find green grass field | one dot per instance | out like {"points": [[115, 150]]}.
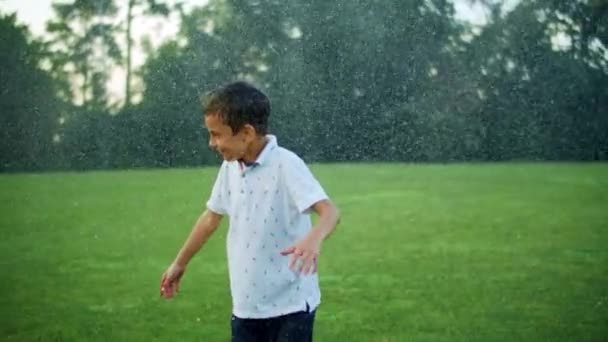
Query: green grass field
{"points": [[464, 252]]}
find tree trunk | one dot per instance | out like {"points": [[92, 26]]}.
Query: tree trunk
{"points": [[589, 28], [129, 45], [85, 75]]}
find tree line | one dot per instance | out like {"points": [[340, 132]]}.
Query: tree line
{"points": [[348, 80]]}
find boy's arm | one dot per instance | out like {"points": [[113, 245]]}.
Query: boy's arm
{"points": [[204, 227], [308, 249], [329, 217]]}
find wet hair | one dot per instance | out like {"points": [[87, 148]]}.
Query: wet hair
{"points": [[238, 104]]}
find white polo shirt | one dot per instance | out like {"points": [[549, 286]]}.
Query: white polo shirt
{"points": [[268, 207]]}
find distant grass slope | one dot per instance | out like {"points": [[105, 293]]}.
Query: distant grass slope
{"points": [[465, 252]]}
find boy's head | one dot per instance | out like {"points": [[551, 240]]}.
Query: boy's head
{"points": [[236, 115]]}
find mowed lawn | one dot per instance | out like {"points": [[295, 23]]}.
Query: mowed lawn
{"points": [[462, 252]]}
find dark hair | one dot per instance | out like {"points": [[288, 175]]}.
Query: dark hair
{"points": [[238, 104]]}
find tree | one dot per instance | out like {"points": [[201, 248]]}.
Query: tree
{"points": [[361, 67], [149, 7], [29, 107], [542, 101], [586, 22], [170, 111], [84, 46], [359, 80]]}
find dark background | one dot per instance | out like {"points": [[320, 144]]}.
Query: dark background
{"points": [[352, 80]]}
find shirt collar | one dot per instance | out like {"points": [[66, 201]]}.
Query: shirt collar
{"points": [[271, 145]]}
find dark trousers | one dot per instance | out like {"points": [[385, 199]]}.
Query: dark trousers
{"points": [[294, 327]]}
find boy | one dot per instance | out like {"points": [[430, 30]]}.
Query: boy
{"points": [[268, 193]]}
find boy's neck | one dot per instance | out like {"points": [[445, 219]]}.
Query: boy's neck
{"points": [[253, 152]]}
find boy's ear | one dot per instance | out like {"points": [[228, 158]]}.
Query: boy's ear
{"points": [[249, 131]]}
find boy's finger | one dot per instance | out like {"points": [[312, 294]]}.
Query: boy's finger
{"points": [[163, 287], [312, 263], [304, 262], [169, 291], [292, 260], [307, 267], [288, 251]]}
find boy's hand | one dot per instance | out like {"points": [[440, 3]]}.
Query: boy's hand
{"points": [[169, 284], [306, 252]]}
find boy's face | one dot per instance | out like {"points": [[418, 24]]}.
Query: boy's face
{"points": [[221, 138]]}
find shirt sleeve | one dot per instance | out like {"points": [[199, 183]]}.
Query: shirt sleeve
{"points": [[303, 188], [217, 199]]}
